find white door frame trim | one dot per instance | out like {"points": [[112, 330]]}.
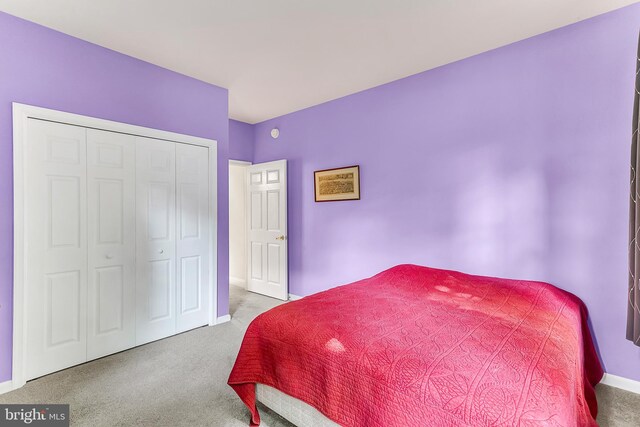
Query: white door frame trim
{"points": [[23, 112]]}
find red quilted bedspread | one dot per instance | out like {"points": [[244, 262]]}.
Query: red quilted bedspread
{"points": [[415, 346]]}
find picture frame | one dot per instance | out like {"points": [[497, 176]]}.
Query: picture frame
{"points": [[337, 184]]}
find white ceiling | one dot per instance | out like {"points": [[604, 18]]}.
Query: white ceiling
{"points": [[279, 56]]}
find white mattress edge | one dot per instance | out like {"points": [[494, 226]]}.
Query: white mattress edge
{"points": [[293, 410]]}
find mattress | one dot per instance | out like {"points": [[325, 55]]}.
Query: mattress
{"points": [[422, 346]]}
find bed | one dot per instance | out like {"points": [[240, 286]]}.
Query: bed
{"points": [[422, 346]]}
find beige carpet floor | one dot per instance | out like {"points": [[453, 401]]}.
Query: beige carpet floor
{"points": [[181, 381]]}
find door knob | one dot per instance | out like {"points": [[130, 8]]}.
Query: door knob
{"points": [[161, 251], [109, 256], [281, 237]]}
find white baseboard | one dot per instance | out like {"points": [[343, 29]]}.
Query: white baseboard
{"points": [[223, 319], [621, 383], [293, 297], [6, 387]]}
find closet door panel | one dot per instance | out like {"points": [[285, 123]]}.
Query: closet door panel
{"points": [[192, 189], [156, 239], [111, 233], [56, 235]]}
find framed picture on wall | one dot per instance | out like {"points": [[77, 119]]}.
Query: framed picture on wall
{"points": [[332, 185]]}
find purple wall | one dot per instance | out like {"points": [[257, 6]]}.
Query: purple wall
{"points": [[241, 136], [511, 163], [42, 67]]}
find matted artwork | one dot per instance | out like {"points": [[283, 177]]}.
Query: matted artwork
{"points": [[337, 184]]}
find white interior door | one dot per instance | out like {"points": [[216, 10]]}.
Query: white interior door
{"points": [[56, 245], [192, 191], [111, 245], [156, 239], [267, 229]]}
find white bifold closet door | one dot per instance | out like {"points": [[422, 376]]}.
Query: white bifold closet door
{"points": [[117, 239], [56, 247], [111, 248], [172, 238], [192, 182], [156, 239]]}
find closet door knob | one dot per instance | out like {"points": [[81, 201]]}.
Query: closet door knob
{"points": [[161, 251], [109, 256]]}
